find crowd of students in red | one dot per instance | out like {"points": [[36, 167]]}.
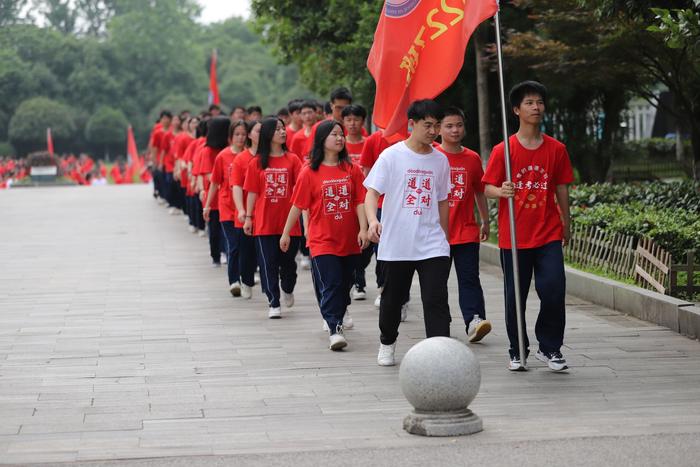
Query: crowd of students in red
{"points": [[310, 185]]}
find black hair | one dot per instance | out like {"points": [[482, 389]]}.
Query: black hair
{"points": [[283, 112], [236, 107], [294, 105], [254, 108], [235, 125], [341, 93], [318, 151], [308, 105], [526, 88], [354, 110], [455, 111], [217, 134], [327, 108], [422, 109], [318, 105], [202, 129], [166, 113], [214, 107], [267, 132], [249, 126]]}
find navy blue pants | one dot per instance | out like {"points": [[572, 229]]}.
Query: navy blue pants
{"points": [[240, 253], [197, 213], [333, 279], [471, 296], [547, 264], [215, 237], [158, 183], [277, 268], [232, 249], [362, 262]]}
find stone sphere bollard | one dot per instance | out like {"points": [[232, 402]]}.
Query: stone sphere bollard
{"points": [[440, 377]]}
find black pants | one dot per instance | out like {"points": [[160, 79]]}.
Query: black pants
{"points": [[547, 263], [363, 261], [333, 278], [432, 274], [158, 183], [198, 216], [215, 236], [277, 268], [471, 296]]}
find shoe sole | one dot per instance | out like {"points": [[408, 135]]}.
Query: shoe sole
{"points": [[338, 345], [482, 329], [543, 359], [386, 364], [275, 317]]}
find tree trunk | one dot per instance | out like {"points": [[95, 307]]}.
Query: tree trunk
{"points": [[482, 95]]}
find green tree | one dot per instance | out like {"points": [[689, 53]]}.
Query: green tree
{"points": [[106, 130], [27, 131], [10, 11]]}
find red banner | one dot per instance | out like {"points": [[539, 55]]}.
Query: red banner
{"points": [[131, 149], [213, 86], [49, 141], [418, 52]]}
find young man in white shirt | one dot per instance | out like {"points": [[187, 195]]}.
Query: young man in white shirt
{"points": [[415, 180]]}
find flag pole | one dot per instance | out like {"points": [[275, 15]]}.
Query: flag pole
{"points": [[511, 202]]}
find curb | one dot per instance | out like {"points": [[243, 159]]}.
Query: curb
{"points": [[677, 315]]}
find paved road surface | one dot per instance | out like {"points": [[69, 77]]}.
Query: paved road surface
{"points": [[119, 341]]}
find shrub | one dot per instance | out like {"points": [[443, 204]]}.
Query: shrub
{"points": [[684, 195]]}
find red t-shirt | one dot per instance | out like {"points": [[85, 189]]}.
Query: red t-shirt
{"points": [[374, 145], [221, 175], [465, 181], [240, 167], [187, 154], [206, 166], [299, 143], [274, 187], [536, 174], [331, 194], [168, 145], [156, 142], [355, 151], [290, 136]]}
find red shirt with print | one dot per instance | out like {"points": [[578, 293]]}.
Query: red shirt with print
{"points": [[355, 151], [240, 167], [274, 187], [375, 144], [465, 180], [221, 175], [331, 194], [536, 174]]}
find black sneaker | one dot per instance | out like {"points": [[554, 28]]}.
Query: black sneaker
{"points": [[554, 360]]}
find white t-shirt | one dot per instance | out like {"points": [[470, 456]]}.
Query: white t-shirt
{"points": [[412, 185]]}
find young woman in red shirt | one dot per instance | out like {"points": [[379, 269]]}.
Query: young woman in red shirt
{"points": [[270, 181], [330, 188]]}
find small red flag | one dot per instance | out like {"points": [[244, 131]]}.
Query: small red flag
{"points": [[49, 141], [213, 86], [131, 149], [418, 51]]}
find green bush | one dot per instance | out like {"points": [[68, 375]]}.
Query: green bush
{"points": [[674, 230], [676, 195], [6, 149]]}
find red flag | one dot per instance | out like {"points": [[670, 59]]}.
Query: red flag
{"points": [[49, 141], [131, 149], [418, 52], [213, 86]]}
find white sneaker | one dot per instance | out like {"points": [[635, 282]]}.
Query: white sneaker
{"points": [[235, 289], [256, 278], [246, 291], [378, 301], [404, 312], [192, 229], [477, 329], [347, 321], [288, 299], [358, 294], [386, 355], [172, 211], [274, 312], [325, 326], [337, 340], [224, 258], [305, 263], [201, 233], [161, 201]]}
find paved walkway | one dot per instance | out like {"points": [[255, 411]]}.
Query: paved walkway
{"points": [[119, 341]]}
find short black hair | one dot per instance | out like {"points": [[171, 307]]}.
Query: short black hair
{"points": [[318, 105], [308, 105], [526, 88], [294, 106], [327, 108], [341, 93], [166, 113], [283, 112], [214, 107], [422, 109], [355, 110], [236, 107], [452, 111], [254, 108]]}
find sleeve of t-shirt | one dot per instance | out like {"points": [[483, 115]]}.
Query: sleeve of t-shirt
{"points": [[252, 182], [157, 137], [367, 156], [301, 196], [495, 169], [358, 187], [378, 178], [238, 173], [564, 173], [443, 186], [297, 169], [217, 173]]}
